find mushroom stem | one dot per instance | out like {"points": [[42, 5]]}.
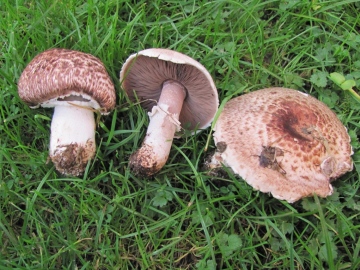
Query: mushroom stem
{"points": [[72, 140], [164, 121]]}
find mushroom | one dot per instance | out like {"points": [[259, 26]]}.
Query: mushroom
{"points": [[282, 141], [177, 91], [76, 84]]}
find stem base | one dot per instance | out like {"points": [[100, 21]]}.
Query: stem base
{"points": [[72, 141]]}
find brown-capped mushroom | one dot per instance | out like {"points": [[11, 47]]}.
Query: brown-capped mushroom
{"points": [[177, 91], [76, 84], [284, 142]]}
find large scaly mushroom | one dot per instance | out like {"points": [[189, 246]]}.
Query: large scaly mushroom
{"points": [[177, 91], [283, 142], [75, 84]]}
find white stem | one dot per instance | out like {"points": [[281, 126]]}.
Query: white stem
{"points": [[164, 120], [72, 141]]}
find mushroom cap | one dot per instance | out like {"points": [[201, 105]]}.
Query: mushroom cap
{"points": [[59, 74], [284, 142], [143, 74]]}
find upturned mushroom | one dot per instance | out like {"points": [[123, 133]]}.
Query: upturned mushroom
{"points": [[177, 91], [76, 84], [283, 142]]}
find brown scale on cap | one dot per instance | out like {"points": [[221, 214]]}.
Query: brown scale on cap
{"points": [[284, 142], [60, 72]]}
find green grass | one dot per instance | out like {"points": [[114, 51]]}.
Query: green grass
{"points": [[182, 218]]}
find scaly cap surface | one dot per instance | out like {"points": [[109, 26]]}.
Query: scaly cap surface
{"points": [[284, 142]]}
